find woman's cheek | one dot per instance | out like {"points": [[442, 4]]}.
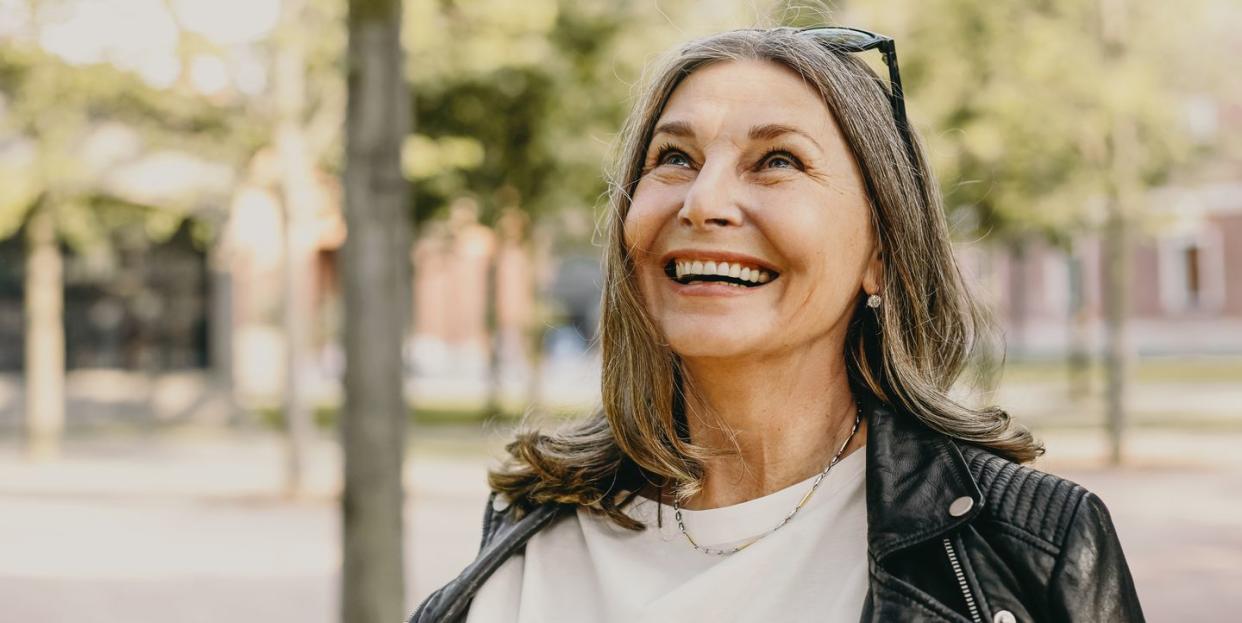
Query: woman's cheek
{"points": [[639, 229], [630, 235]]}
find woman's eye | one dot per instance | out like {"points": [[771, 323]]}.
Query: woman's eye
{"points": [[780, 160], [675, 158]]}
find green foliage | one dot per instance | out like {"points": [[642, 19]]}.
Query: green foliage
{"points": [[53, 109], [362, 11], [42, 93], [511, 96], [522, 101], [540, 87], [1017, 102]]}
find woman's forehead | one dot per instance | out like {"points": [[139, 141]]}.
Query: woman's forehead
{"points": [[733, 96]]}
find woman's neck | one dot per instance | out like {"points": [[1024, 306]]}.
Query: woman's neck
{"points": [[779, 422]]}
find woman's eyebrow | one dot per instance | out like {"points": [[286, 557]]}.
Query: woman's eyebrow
{"points": [[675, 128], [767, 131]]}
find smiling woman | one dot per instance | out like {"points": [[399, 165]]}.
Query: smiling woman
{"points": [[734, 171], [782, 323]]}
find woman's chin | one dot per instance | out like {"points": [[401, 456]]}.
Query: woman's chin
{"points": [[712, 344]]}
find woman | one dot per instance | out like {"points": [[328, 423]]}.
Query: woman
{"points": [[782, 322]]}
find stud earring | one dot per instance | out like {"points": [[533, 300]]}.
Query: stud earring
{"points": [[874, 301]]}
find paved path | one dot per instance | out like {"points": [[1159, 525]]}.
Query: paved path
{"points": [[190, 528]]}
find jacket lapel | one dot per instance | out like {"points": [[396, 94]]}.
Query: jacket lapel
{"points": [[914, 475]]}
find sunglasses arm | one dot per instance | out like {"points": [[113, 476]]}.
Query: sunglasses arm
{"points": [[897, 97]]}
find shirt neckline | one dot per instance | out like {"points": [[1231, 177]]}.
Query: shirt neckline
{"points": [[746, 520]]}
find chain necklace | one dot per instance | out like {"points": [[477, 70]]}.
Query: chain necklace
{"points": [[818, 479]]}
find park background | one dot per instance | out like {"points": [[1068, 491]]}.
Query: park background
{"points": [[174, 286]]}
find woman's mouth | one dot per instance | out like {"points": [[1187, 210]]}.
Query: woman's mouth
{"points": [[735, 274]]}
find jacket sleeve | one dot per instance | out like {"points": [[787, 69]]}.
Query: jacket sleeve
{"points": [[1091, 580], [432, 603]]}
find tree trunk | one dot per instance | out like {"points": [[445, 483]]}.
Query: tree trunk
{"points": [[990, 352], [1122, 197], [541, 261], [375, 277], [492, 407], [297, 198], [1079, 356], [1118, 353], [45, 336], [1018, 312], [220, 324]]}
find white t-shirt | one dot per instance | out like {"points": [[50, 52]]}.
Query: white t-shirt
{"points": [[585, 568]]}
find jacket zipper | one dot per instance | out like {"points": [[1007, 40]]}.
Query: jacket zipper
{"points": [[961, 580]]}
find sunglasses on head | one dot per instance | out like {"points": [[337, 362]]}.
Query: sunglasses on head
{"points": [[850, 40]]}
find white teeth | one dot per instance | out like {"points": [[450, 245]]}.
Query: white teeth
{"points": [[725, 269]]}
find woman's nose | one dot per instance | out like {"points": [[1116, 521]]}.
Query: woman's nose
{"points": [[711, 200]]}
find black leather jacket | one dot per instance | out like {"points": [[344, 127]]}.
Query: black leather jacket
{"points": [[955, 533]]}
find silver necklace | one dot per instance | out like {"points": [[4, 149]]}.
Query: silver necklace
{"points": [[815, 485]]}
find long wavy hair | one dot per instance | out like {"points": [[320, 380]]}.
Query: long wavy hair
{"points": [[909, 354]]}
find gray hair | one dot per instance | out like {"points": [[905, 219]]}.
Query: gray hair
{"points": [[910, 353]]}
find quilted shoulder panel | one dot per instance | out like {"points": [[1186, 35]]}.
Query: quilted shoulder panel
{"points": [[1037, 503]]}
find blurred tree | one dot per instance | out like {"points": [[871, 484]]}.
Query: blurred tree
{"points": [[375, 270], [518, 105], [298, 199], [1123, 190], [303, 110], [1015, 99], [72, 137], [1021, 101]]}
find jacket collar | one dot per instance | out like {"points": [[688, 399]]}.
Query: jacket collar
{"points": [[914, 475]]}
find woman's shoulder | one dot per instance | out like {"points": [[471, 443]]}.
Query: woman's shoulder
{"points": [[1039, 505], [1029, 511]]}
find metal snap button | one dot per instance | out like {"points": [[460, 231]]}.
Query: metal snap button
{"points": [[1004, 616], [961, 506]]}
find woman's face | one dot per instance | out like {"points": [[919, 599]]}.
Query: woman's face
{"points": [[747, 166]]}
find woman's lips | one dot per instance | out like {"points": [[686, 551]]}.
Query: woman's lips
{"points": [[713, 288], [709, 289]]}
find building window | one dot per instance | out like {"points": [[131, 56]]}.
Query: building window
{"points": [[1190, 264], [147, 310], [1192, 272]]}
